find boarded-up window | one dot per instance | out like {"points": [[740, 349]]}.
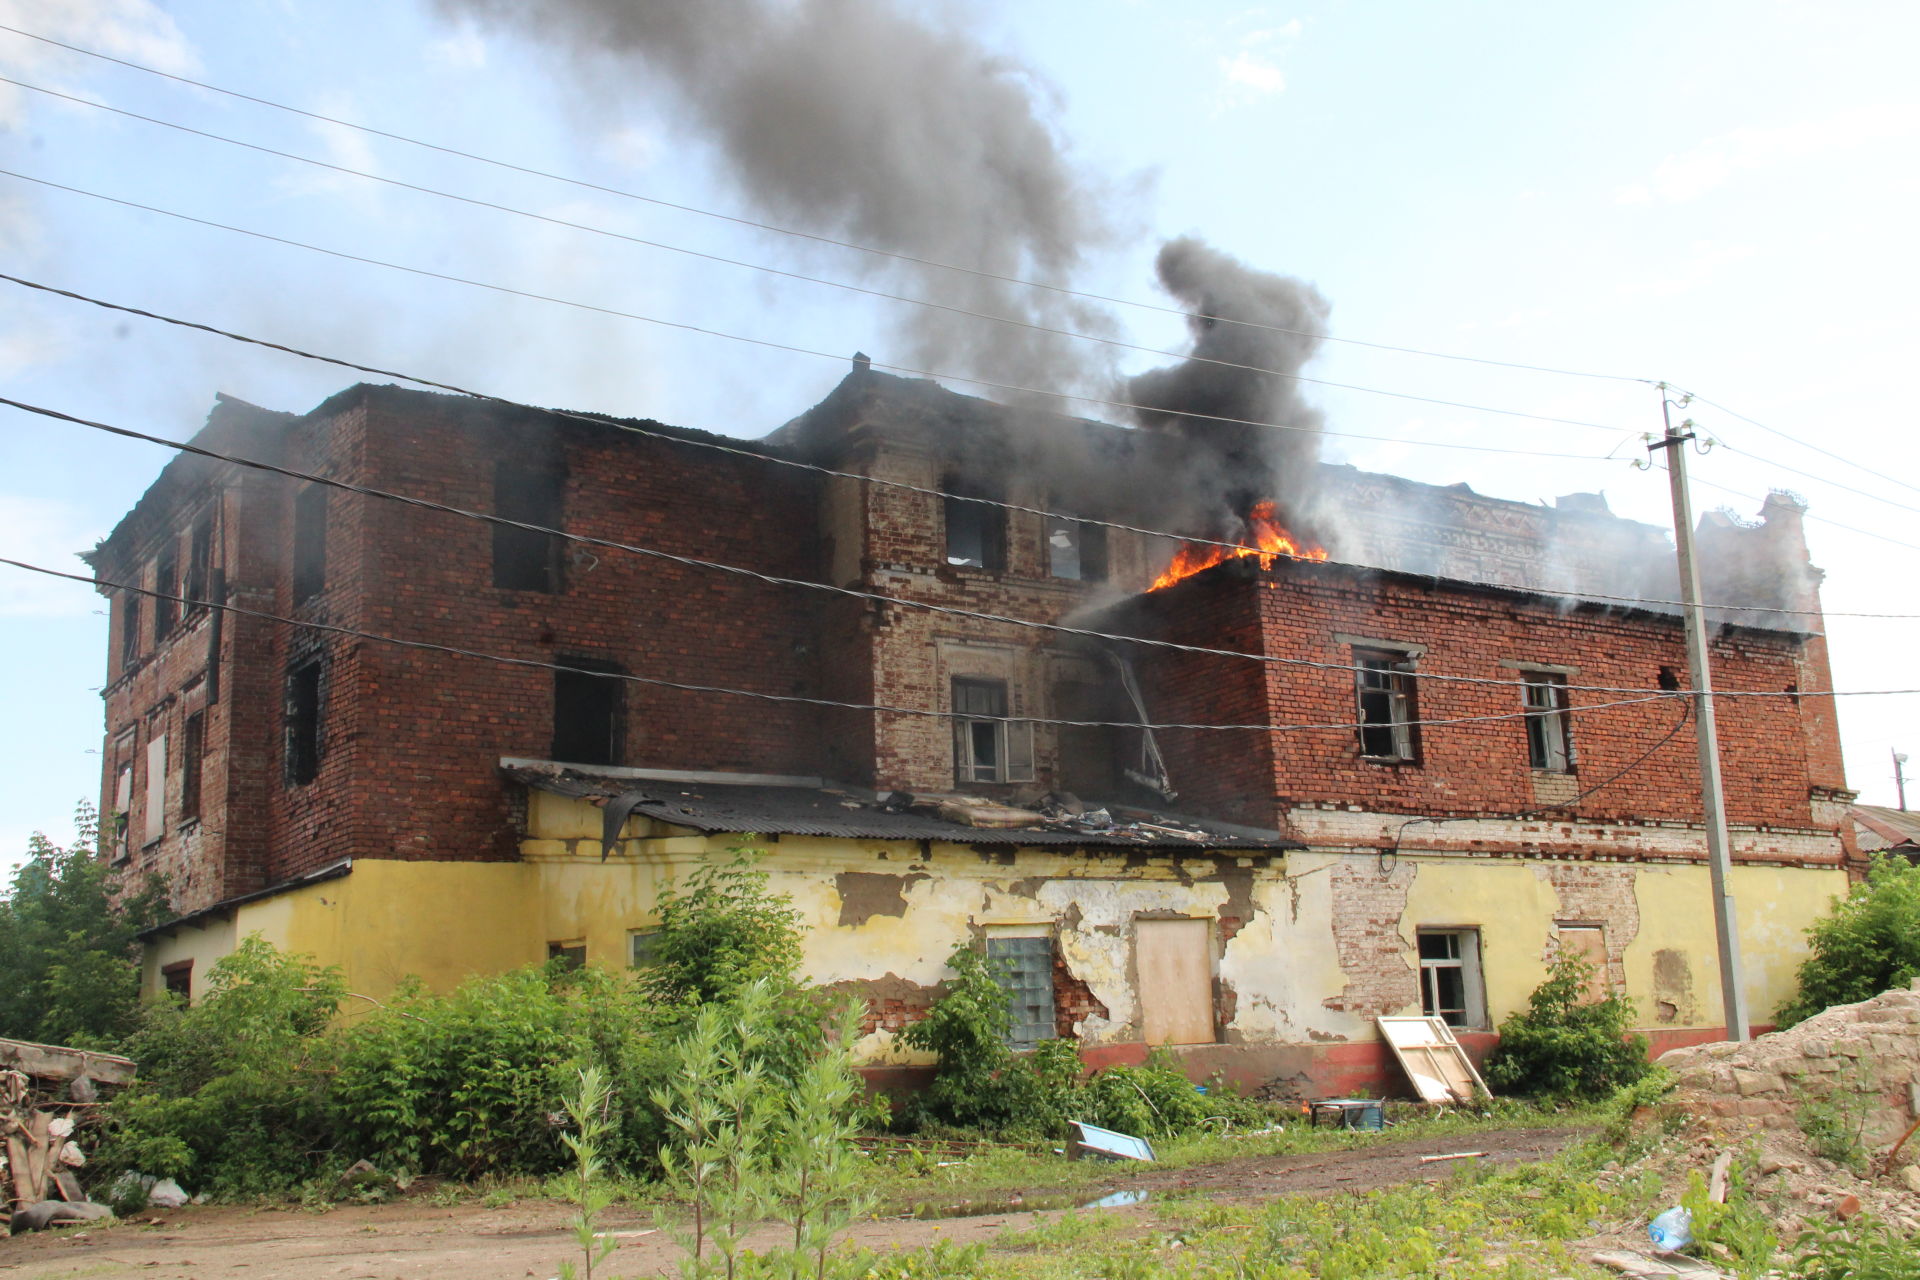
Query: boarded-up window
{"points": [[303, 723], [587, 713], [529, 491], [1589, 942], [309, 543], [193, 747], [1174, 962], [155, 824], [1024, 966]]}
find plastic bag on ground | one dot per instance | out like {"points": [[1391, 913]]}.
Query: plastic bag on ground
{"points": [[166, 1194]]}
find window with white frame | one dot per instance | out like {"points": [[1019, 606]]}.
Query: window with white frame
{"points": [[987, 746], [1450, 983], [1549, 733], [1022, 960], [1383, 683]]}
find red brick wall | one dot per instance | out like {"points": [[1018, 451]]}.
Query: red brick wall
{"points": [[1773, 749]]}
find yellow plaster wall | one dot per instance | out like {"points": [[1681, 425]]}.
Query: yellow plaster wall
{"points": [[202, 945]]}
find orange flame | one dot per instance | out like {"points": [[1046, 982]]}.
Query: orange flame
{"points": [[1270, 541]]}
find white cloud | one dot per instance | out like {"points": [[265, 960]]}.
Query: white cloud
{"points": [[133, 29], [1691, 174], [1252, 71], [49, 532], [348, 148], [1247, 72]]}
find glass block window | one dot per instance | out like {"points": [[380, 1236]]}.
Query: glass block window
{"points": [[1025, 968]]}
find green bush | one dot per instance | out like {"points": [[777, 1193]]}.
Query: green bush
{"points": [[1565, 1047], [1870, 944], [233, 1090]]}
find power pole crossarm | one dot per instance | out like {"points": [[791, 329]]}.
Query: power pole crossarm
{"points": [[1733, 994]]}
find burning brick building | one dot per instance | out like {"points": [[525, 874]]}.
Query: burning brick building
{"points": [[415, 742]]}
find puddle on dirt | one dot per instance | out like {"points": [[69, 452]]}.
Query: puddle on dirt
{"points": [[1031, 1204]]}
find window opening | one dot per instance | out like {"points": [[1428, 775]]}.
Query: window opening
{"points": [[166, 584], [976, 530], [1076, 550], [123, 809], [571, 955], [1450, 983], [199, 564], [1549, 735], [193, 746], [643, 947], [1024, 966], [309, 542], [129, 629], [1384, 682], [988, 749], [526, 559], [177, 979], [587, 713], [303, 723]]}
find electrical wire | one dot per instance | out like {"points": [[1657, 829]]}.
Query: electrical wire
{"points": [[774, 458], [550, 220], [788, 231], [840, 359], [845, 592], [685, 687], [1828, 520], [1804, 444]]}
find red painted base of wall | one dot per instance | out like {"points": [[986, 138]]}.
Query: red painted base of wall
{"points": [[1336, 1070]]}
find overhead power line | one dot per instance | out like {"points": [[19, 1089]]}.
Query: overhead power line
{"points": [[837, 358], [1828, 520], [666, 246], [789, 231], [684, 687], [757, 455], [1876, 472], [844, 592]]}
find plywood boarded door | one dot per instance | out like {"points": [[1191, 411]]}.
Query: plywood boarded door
{"points": [[1174, 962], [1589, 942]]}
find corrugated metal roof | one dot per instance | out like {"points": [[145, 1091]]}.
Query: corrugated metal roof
{"points": [[1878, 827], [717, 807]]}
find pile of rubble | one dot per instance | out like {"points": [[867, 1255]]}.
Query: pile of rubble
{"points": [[48, 1094], [1849, 1074]]}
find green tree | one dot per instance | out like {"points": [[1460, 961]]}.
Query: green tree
{"points": [[69, 943], [722, 932], [1870, 944]]}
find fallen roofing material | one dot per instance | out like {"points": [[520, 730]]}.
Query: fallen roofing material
{"points": [[781, 808]]}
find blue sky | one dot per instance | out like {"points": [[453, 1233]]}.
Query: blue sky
{"points": [[1718, 194]]}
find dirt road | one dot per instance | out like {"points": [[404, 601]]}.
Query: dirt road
{"points": [[412, 1239]]}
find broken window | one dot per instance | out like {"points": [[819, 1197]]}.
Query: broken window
{"points": [[976, 529], [1076, 549], [989, 748], [530, 491], [1383, 679], [1549, 735], [1589, 943], [1450, 985], [166, 585], [193, 747], [1024, 966], [309, 542], [155, 817], [129, 629], [587, 712], [177, 979], [123, 806], [571, 955], [1173, 960], [303, 723], [199, 565]]}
